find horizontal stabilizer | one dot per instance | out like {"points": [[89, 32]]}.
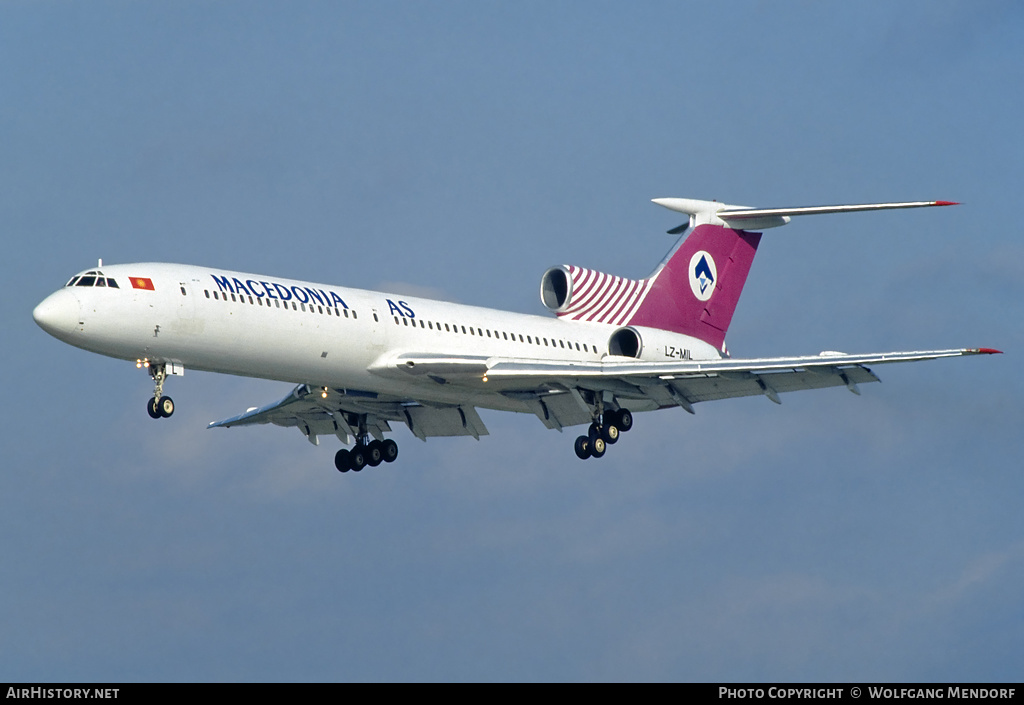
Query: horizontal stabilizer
{"points": [[744, 218]]}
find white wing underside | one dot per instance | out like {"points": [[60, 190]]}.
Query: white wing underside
{"points": [[560, 393]]}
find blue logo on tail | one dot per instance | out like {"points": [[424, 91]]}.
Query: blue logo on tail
{"points": [[703, 274]]}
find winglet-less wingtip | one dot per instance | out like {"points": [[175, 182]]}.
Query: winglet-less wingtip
{"points": [[985, 351]]}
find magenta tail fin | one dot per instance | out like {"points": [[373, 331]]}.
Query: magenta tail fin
{"points": [[696, 290]]}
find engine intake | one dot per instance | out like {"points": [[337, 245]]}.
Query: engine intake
{"points": [[556, 288], [625, 342]]}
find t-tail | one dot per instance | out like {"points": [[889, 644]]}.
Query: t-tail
{"points": [[695, 290]]}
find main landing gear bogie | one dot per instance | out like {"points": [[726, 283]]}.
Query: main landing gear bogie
{"points": [[605, 431], [362, 454]]}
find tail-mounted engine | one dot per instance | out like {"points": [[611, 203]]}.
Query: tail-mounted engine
{"points": [[580, 294], [556, 288]]}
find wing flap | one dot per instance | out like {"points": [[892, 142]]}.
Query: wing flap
{"points": [[714, 387], [316, 411], [454, 421]]}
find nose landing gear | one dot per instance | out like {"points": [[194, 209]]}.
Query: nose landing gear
{"points": [[159, 406]]}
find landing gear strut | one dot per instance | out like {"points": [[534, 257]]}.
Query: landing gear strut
{"points": [[605, 431], [365, 452], [159, 407]]}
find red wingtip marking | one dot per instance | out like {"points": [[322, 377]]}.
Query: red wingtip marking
{"points": [[990, 351], [947, 203]]}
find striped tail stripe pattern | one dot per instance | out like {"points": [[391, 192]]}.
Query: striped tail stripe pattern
{"points": [[604, 298]]}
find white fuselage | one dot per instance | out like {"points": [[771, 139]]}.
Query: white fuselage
{"points": [[301, 332]]}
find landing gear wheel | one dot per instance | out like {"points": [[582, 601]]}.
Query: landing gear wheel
{"points": [[624, 419], [153, 409], [582, 447], [342, 461], [165, 406], [610, 433], [597, 443], [389, 450], [374, 454], [357, 458]]}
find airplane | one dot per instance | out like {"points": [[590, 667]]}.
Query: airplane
{"points": [[364, 360]]}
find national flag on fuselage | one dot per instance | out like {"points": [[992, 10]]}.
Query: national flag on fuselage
{"points": [[142, 283]]}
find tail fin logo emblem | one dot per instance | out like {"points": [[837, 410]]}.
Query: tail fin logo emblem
{"points": [[703, 275]]}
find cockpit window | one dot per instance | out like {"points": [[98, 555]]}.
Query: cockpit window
{"points": [[92, 278]]}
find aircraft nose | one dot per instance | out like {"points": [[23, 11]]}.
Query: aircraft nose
{"points": [[58, 313]]}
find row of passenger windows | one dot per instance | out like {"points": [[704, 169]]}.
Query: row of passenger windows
{"points": [[427, 325], [93, 278], [499, 335], [295, 305]]}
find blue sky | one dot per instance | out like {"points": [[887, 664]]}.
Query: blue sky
{"points": [[459, 149]]}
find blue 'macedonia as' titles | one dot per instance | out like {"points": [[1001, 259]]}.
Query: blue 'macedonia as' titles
{"points": [[273, 290]]}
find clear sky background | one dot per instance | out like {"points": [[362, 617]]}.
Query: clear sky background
{"points": [[458, 149]]}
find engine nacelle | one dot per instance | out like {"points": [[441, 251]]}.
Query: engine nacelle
{"points": [[626, 342], [589, 295], [556, 288]]}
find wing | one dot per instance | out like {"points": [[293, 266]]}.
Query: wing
{"points": [[318, 411], [565, 393], [686, 383], [560, 393]]}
